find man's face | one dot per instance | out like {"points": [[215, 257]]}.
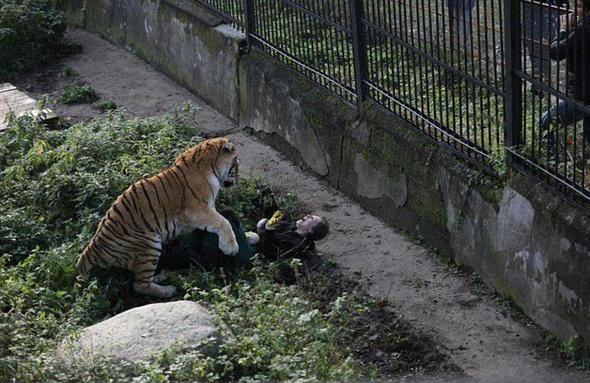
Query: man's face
{"points": [[306, 224]]}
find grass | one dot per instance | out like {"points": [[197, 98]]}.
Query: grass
{"points": [[69, 72], [54, 187], [572, 350], [79, 93], [291, 322], [106, 105]]}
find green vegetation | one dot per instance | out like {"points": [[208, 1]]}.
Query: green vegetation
{"points": [[69, 72], [56, 185], [78, 93], [31, 31], [106, 105], [290, 324], [572, 351]]}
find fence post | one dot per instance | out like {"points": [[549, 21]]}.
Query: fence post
{"points": [[359, 48], [250, 21], [512, 65]]}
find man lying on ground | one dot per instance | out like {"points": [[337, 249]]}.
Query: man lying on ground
{"points": [[274, 239]]}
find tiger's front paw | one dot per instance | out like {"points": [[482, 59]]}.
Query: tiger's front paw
{"points": [[230, 247]]}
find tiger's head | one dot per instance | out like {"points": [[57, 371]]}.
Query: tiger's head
{"points": [[226, 164], [218, 156]]}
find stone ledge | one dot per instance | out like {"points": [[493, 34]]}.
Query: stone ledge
{"points": [[198, 11]]}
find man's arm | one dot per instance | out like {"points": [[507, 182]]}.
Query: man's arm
{"points": [[566, 38], [267, 233], [267, 245]]}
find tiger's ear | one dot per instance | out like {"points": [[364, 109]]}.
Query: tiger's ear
{"points": [[228, 148]]}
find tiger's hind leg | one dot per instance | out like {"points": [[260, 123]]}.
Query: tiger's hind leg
{"points": [[144, 270], [162, 276]]}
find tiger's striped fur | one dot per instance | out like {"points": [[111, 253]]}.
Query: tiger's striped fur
{"points": [[158, 209]]}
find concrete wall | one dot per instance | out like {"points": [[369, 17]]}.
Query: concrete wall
{"points": [[525, 241]]}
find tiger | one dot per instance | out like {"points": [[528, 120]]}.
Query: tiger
{"points": [[157, 209]]}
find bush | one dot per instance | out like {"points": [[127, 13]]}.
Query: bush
{"points": [[106, 105], [280, 332], [79, 94], [57, 184], [30, 32]]}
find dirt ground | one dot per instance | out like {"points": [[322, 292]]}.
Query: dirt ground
{"points": [[483, 335]]}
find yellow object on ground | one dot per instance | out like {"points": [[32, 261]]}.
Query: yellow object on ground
{"points": [[276, 218]]}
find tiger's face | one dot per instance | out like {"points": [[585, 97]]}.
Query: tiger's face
{"points": [[227, 165]]}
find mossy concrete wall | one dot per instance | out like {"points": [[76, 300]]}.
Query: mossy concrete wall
{"points": [[524, 240]]}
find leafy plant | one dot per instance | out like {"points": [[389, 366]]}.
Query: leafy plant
{"points": [[572, 350], [498, 161], [30, 33], [69, 72], [78, 93], [55, 184], [252, 200], [106, 105]]}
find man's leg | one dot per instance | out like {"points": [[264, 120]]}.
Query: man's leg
{"points": [[546, 119], [466, 21], [567, 116], [202, 248], [587, 129], [246, 251], [560, 112]]}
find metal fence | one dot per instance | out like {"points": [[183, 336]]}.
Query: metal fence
{"points": [[478, 76], [439, 64]]}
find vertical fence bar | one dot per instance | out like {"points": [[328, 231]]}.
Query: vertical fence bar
{"points": [[359, 48], [513, 82], [250, 21]]}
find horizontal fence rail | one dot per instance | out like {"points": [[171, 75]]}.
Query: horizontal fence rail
{"points": [[495, 80]]}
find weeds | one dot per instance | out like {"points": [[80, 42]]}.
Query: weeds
{"points": [[56, 184], [78, 93], [106, 105], [70, 72], [31, 33], [572, 350]]}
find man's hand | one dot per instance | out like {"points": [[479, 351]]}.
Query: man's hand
{"points": [[567, 22], [545, 43]]}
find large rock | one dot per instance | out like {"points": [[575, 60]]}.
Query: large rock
{"points": [[144, 332]]}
